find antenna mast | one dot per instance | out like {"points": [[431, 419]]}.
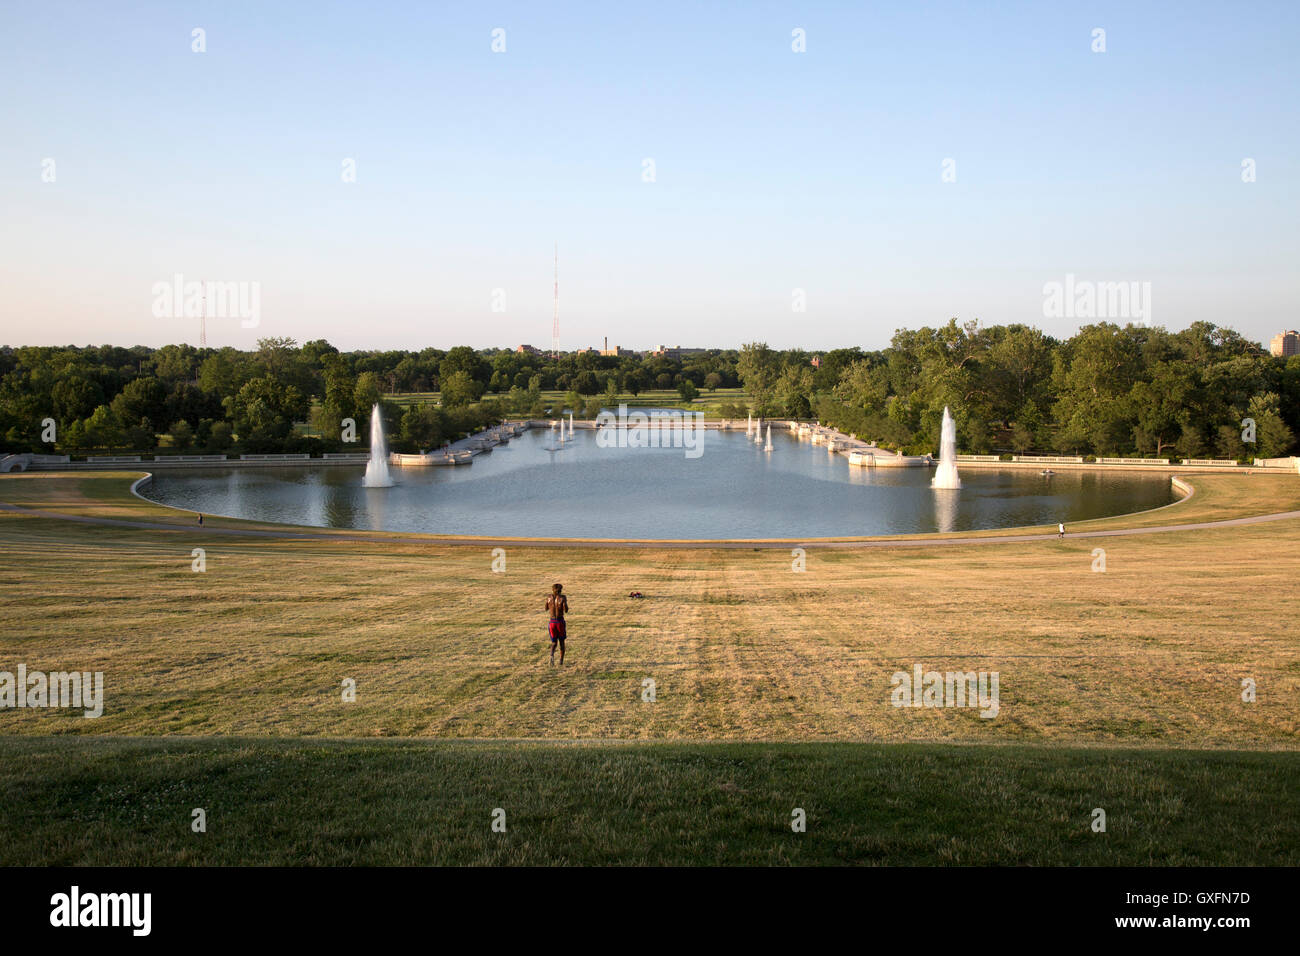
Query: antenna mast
{"points": [[555, 312]]}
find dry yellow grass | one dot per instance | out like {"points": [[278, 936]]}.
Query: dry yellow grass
{"points": [[739, 645]]}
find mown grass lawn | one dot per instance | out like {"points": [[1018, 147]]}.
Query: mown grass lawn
{"points": [[1119, 690], [130, 802], [740, 647]]}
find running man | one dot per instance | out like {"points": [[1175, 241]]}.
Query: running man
{"points": [[1060, 529], [556, 605]]}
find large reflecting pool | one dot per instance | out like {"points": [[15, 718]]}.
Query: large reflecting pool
{"points": [[733, 489]]}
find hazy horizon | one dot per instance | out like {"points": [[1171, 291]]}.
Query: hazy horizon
{"points": [[252, 346], [780, 177]]}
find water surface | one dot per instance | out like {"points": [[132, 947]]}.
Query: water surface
{"points": [[733, 490]]}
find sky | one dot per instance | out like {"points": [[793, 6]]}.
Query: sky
{"points": [[914, 163]]}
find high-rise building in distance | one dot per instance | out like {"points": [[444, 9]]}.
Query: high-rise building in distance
{"points": [[1285, 343]]}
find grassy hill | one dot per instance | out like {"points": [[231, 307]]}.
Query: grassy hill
{"points": [[1120, 690]]}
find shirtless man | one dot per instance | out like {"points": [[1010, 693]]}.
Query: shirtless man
{"points": [[556, 605]]}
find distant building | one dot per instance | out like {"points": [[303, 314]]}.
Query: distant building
{"points": [[816, 361], [616, 352], [677, 353], [528, 350], [1285, 343]]}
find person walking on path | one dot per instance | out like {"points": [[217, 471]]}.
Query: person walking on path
{"points": [[1060, 529]]}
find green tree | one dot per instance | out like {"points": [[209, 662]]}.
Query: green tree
{"points": [[182, 436], [423, 427], [220, 437], [1159, 404], [275, 355], [1273, 438], [366, 394], [263, 412], [464, 359], [76, 396], [458, 390], [104, 429], [759, 369], [142, 398]]}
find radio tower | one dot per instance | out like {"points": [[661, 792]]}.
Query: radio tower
{"points": [[555, 312]]}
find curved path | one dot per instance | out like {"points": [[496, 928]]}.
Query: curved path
{"points": [[644, 544]]}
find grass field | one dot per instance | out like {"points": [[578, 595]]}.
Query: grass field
{"points": [[115, 802], [1137, 666]]}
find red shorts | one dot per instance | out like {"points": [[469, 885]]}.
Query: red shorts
{"points": [[557, 630]]}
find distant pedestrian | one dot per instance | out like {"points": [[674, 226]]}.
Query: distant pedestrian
{"points": [[1060, 529], [200, 520], [556, 605]]}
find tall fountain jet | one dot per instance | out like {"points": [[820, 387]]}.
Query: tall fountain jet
{"points": [[377, 469], [768, 446], [946, 474]]}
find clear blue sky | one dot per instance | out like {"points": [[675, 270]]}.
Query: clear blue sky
{"points": [[775, 170]]}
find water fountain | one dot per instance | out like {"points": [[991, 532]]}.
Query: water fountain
{"points": [[749, 425], [377, 469], [768, 446], [758, 432], [946, 474]]}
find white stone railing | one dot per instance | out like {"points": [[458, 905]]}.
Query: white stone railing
{"points": [[1288, 463]]}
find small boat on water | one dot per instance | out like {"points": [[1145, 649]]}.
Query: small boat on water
{"points": [[1047, 472]]}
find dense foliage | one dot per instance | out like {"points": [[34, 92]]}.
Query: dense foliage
{"points": [[1109, 390]]}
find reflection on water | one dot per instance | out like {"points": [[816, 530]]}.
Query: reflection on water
{"points": [[945, 508], [733, 490]]}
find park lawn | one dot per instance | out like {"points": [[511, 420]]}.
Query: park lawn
{"points": [[103, 494], [106, 801], [740, 647]]}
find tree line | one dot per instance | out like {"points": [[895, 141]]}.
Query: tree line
{"points": [[1108, 390], [283, 397]]}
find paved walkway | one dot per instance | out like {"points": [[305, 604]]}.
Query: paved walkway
{"points": [[642, 544]]}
